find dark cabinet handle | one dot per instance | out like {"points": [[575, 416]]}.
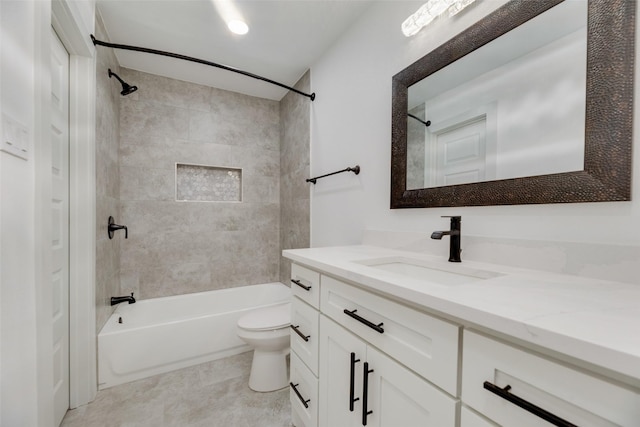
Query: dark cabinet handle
{"points": [[300, 334], [352, 382], [527, 406], [295, 388], [365, 393], [299, 283], [360, 319]]}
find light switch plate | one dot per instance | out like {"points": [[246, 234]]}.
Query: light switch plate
{"points": [[15, 137]]}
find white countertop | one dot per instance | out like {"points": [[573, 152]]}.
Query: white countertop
{"points": [[595, 321]]}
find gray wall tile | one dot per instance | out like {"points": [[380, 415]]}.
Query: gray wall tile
{"points": [[107, 180], [181, 247], [178, 247], [295, 112]]}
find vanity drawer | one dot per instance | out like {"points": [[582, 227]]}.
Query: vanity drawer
{"points": [[558, 389], [304, 397], [304, 333], [468, 418], [424, 344], [305, 284]]}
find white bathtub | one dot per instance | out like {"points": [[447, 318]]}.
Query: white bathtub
{"points": [[163, 334]]}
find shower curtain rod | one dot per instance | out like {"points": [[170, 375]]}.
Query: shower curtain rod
{"points": [[427, 123], [311, 96]]}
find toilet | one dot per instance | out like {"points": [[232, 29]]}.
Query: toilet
{"points": [[267, 331]]}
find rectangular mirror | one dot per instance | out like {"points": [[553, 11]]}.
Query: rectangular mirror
{"points": [[533, 104]]}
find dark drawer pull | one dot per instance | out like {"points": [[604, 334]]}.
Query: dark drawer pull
{"points": [[299, 283], [527, 406], [352, 382], [295, 388], [365, 393], [300, 334], [372, 325]]}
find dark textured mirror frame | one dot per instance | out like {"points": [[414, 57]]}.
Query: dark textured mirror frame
{"points": [[608, 122]]}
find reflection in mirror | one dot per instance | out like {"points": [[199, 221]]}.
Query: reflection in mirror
{"points": [[553, 123], [513, 108]]}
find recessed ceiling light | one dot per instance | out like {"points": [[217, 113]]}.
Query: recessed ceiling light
{"points": [[238, 27]]}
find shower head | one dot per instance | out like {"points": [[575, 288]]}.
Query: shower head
{"points": [[126, 87]]}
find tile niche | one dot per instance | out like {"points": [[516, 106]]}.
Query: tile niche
{"points": [[200, 183]]}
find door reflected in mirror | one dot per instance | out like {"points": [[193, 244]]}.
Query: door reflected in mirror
{"points": [[513, 108], [535, 119]]}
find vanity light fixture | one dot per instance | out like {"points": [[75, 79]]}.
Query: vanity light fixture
{"points": [[238, 27], [431, 10]]}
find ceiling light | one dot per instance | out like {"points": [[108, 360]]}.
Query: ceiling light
{"points": [[431, 10], [238, 27]]}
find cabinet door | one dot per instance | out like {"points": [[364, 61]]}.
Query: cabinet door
{"points": [[470, 419], [336, 376], [398, 397], [423, 343]]}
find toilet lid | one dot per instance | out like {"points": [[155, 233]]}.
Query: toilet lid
{"points": [[274, 317]]}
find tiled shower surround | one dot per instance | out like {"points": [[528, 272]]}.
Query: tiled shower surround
{"points": [[295, 122], [416, 133], [183, 247], [107, 180]]}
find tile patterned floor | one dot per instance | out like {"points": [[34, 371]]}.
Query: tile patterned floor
{"points": [[213, 394]]}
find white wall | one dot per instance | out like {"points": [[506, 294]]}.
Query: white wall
{"points": [[17, 284], [351, 124], [26, 365]]}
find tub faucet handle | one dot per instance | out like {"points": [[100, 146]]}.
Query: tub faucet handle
{"points": [[112, 227]]}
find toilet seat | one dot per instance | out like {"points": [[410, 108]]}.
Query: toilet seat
{"points": [[267, 318]]}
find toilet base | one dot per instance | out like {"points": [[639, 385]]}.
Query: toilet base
{"points": [[269, 371]]}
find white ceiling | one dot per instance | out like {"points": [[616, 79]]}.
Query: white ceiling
{"points": [[285, 38]]}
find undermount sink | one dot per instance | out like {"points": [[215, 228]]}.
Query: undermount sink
{"points": [[454, 274]]}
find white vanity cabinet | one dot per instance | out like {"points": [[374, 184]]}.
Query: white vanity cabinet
{"points": [[374, 362], [423, 343], [361, 386], [511, 386], [377, 361], [305, 339]]}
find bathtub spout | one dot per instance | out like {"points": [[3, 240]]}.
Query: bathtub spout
{"points": [[118, 300]]}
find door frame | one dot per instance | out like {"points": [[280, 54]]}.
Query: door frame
{"points": [[59, 207], [67, 20]]}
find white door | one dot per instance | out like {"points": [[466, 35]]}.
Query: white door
{"points": [[460, 156], [60, 224], [398, 397], [337, 346]]}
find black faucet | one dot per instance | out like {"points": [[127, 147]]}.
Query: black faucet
{"points": [[454, 238], [118, 300]]}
